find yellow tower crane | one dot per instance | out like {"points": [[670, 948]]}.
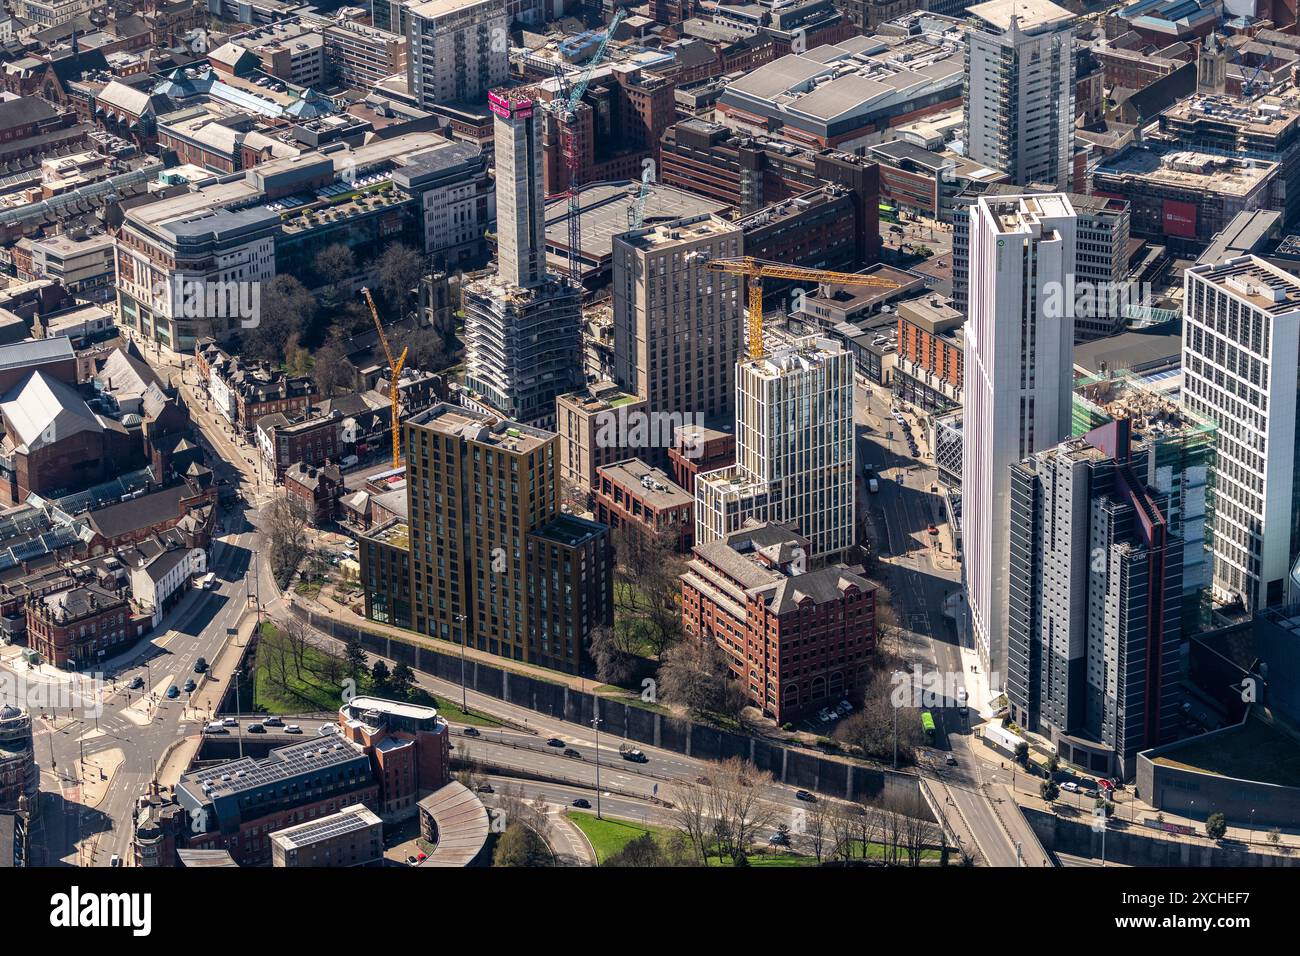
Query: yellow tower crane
{"points": [[396, 369], [756, 270]]}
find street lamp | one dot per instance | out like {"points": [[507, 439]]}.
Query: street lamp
{"points": [[464, 636], [595, 723]]}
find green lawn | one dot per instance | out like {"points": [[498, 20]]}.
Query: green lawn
{"points": [[309, 687], [763, 859], [609, 836]]}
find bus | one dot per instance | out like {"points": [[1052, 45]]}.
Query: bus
{"points": [[927, 724]]}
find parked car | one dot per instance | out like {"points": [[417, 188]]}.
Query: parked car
{"points": [[324, 730], [471, 732], [200, 665], [115, 860], [582, 803], [805, 796], [845, 707], [136, 682], [951, 761], [293, 729], [189, 686], [173, 692], [485, 788]]}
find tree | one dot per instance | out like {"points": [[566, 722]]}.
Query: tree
{"points": [[334, 264], [1275, 836], [615, 661], [739, 808], [285, 527], [331, 369], [379, 674], [402, 680], [692, 805], [1216, 826], [399, 273], [426, 349], [286, 308], [816, 827], [1049, 791], [1022, 754], [693, 676], [354, 656], [297, 638], [1105, 806], [520, 845], [1053, 762]]}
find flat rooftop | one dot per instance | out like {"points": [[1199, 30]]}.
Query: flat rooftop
{"points": [[681, 230], [349, 820], [1025, 213], [652, 485], [1255, 281], [606, 208], [1191, 170], [482, 429], [1030, 15]]}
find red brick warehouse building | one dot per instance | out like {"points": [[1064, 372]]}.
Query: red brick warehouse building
{"points": [[796, 641]]}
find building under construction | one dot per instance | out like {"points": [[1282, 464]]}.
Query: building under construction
{"points": [[522, 326], [1180, 469]]}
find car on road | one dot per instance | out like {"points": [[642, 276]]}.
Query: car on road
{"points": [[570, 752], [216, 728], [950, 760], [256, 729], [173, 692], [293, 729], [555, 742], [273, 722], [1089, 792], [411, 861], [485, 788], [805, 796], [230, 721], [635, 756], [200, 665], [1070, 786], [582, 803], [471, 732], [189, 686], [873, 485], [136, 682]]}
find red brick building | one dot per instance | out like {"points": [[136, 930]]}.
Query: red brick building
{"points": [[409, 747], [697, 449], [797, 640], [310, 440], [81, 625], [319, 490], [632, 494]]}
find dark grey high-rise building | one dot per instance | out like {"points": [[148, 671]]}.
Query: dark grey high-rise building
{"points": [[1095, 603]]}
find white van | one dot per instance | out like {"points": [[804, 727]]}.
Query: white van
{"points": [[216, 728]]}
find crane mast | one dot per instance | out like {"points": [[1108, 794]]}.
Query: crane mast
{"points": [[395, 369]]}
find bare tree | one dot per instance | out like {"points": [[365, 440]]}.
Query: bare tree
{"points": [[817, 827], [693, 675], [692, 805], [297, 638], [331, 369], [614, 659], [741, 810], [286, 535], [399, 273], [843, 826]]}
